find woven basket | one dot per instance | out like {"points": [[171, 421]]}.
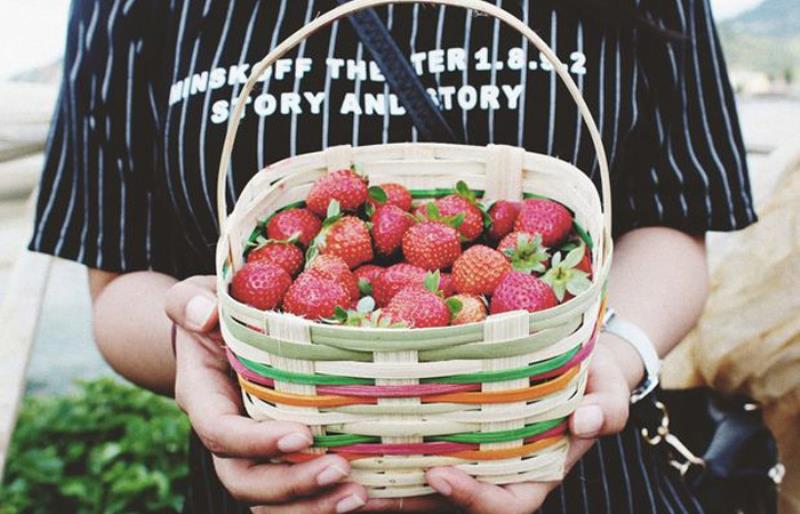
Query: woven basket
{"points": [[491, 398]]}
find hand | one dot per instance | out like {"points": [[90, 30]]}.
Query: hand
{"points": [[603, 411], [239, 444]]}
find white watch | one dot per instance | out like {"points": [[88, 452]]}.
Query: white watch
{"points": [[643, 345]]}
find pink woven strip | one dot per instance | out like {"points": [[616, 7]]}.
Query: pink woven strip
{"points": [[403, 391], [250, 376], [435, 448]]}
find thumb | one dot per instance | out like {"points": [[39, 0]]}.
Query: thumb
{"points": [[192, 304], [604, 408]]}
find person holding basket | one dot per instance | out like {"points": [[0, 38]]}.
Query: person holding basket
{"points": [[150, 89]]}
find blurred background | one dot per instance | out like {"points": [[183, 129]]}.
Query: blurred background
{"points": [[762, 43]]}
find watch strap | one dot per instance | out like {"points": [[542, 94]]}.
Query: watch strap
{"points": [[636, 337]]}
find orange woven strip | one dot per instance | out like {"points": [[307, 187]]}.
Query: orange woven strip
{"points": [[514, 395], [504, 453], [270, 395], [507, 453]]}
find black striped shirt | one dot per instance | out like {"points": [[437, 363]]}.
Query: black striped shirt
{"points": [[148, 86]]}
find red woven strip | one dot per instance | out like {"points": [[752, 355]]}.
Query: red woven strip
{"points": [[556, 430], [435, 448]]}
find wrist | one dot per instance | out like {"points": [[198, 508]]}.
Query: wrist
{"points": [[627, 358]]}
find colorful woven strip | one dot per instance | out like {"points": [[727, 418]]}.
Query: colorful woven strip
{"points": [[455, 450], [336, 400]]}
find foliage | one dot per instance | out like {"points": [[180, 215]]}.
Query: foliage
{"points": [[109, 448]]}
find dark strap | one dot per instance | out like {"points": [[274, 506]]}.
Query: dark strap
{"points": [[400, 75]]}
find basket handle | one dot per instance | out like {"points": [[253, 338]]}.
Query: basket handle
{"points": [[358, 5]]}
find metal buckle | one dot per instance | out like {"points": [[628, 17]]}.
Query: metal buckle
{"points": [[664, 435]]}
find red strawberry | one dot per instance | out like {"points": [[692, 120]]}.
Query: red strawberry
{"points": [[503, 215], [395, 194], [366, 276], [525, 252], [260, 284], [473, 309], [395, 278], [314, 297], [346, 237], [287, 223], [546, 217], [431, 245], [389, 224], [586, 263], [520, 291], [479, 270], [464, 203], [565, 276], [446, 285], [344, 186], [281, 253], [416, 307], [334, 268]]}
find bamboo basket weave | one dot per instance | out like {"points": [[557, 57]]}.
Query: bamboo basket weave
{"points": [[491, 398]]}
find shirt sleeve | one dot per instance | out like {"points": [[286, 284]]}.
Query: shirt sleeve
{"points": [[684, 164], [95, 202]]}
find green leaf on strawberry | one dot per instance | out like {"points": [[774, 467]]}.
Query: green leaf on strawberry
{"points": [[377, 194], [563, 277]]}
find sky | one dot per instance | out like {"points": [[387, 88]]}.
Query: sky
{"points": [[32, 32]]}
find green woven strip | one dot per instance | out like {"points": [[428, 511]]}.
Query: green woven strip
{"points": [[439, 192], [583, 234], [301, 378], [467, 378], [500, 436], [327, 441], [506, 374]]}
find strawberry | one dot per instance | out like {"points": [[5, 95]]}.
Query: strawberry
{"points": [[446, 285], [564, 276], [281, 253], [334, 268], [520, 291], [360, 314], [301, 222], [395, 278], [345, 186], [586, 263], [417, 307], [389, 224], [503, 215], [344, 236], [431, 245], [473, 309], [463, 202], [315, 297], [260, 284], [479, 270], [546, 217], [366, 275], [393, 194], [525, 252]]}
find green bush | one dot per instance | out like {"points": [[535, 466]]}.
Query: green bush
{"points": [[109, 448]]}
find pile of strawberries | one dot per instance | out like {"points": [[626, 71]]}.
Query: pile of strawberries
{"points": [[374, 259]]}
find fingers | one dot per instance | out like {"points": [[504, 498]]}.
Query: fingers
{"points": [[604, 408], [213, 403], [259, 484], [433, 504], [192, 303], [482, 498], [340, 499]]}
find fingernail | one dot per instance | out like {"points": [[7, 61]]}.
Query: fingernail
{"points": [[199, 310], [330, 475], [294, 442], [441, 485], [587, 421], [350, 503]]}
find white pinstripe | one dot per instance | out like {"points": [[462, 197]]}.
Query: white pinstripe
{"points": [[326, 105], [552, 121], [645, 474], [386, 101], [276, 31], [300, 54], [578, 118], [523, 78], [413, 45], [465, 73], [493, 73]]}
